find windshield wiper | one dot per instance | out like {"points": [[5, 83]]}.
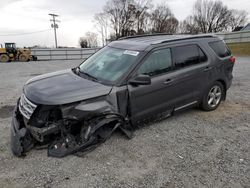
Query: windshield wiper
{"points": [[87, 74], [76, 70]]}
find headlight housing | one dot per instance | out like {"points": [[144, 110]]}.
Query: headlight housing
{"points": [[26, 107]]}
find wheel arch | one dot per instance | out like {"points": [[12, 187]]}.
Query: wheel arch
{"points": [[224, 88]]}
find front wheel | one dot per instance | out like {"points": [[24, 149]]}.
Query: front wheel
{"points": [[23, 58], [4, 58], [213, 96]]}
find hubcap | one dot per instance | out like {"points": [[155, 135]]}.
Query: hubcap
{"points": [[214, 96]]}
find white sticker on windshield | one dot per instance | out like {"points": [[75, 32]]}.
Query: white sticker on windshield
{"points": [[129, 52]]}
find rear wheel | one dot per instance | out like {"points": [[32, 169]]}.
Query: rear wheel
{"points": [[213, 96], [4, 58], [23, 58]]}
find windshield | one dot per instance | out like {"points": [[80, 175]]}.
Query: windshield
{"points": [[109, 64], [10, 45]]}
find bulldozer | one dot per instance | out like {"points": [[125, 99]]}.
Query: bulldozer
{"points": [[10, 53]]}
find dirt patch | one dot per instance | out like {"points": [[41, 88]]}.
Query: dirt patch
{"points": [[6, 111]]}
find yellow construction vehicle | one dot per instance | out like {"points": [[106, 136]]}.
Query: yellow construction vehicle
{"points": [[11, 53]]}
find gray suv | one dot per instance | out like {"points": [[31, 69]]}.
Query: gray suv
{"points": [[125, 84]]}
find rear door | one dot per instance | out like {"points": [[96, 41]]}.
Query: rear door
{"points": [[192, 69]]}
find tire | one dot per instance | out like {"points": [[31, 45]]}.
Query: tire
{"points": [[23, 58], [213, 96], [4, 58]]}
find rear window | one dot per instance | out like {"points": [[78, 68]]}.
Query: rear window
{"points": [[220, 48], [188, 55]]}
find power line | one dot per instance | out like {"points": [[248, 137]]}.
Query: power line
{"points": [[54, 25], [19, 34]]}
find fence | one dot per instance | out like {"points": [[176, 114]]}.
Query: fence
{"points": [[235, 37], [63, 53]]}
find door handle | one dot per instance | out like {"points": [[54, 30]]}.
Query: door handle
{"points": [[168, 82], [207, 69]]}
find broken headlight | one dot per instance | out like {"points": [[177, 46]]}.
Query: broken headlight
{"points": [[26, 107]]}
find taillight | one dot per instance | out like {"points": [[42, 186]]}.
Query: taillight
{"points": [[232, 59]]}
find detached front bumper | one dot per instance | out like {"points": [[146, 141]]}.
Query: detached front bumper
{"points": [[21, 140]]}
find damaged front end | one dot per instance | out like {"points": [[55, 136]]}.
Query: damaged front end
{"points": [[64, 129]]}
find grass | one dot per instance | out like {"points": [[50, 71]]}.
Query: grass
{"points": [[240, 49]]}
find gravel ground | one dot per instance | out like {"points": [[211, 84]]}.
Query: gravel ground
{"points": [[190, 149]]}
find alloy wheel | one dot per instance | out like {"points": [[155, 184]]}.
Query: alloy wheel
{"points": [[214, 96]]}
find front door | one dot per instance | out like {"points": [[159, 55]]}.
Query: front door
{"points": [[148, 100]]}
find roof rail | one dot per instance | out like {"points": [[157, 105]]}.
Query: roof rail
{"points": [[190, 37], [143, 35]]}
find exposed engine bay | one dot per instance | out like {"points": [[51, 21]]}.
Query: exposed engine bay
{"points": [[66, 129]]}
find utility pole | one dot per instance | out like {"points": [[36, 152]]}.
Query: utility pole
{"points": [[54, 25]]}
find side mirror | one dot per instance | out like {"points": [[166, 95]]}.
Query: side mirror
{"points": [[141, 80]]}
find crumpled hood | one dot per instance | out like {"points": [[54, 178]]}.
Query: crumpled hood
{"points": [[62, 87]]}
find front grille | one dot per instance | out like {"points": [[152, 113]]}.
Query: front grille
{"points": [[26, 107]]}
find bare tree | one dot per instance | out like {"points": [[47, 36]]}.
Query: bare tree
{"points": [[172, 23], [238, 19], [83, 42], [188, 26], [89, 40], [101, 20], [211, 16], [163, 21], [144, 23], [142, 16], [122, 16], [130, 17]]}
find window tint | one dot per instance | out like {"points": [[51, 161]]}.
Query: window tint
{"points": [[188, 55], [158, 62], [220, 48]]}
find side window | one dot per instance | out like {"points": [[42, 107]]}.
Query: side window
{"points": [[158, 62], [220, 48], [188, 55]]}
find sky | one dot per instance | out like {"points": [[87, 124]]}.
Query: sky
{"points": [[27, 23]]}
